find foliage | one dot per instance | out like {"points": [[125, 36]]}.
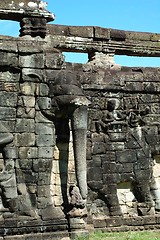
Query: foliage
{"points": [[143, 235]]}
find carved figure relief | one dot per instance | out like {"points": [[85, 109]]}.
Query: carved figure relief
{"points": [[7, 175], [128, 150]]}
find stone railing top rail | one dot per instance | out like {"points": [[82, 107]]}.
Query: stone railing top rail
{"points": [[17, 9], [96, 39]]}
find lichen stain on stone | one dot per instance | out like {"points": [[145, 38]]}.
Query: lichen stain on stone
{"points": [[16, 4]]}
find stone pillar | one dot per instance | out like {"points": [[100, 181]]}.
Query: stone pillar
{"points": [[32, 15], [33, 27]]}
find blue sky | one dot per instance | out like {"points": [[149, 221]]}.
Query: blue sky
{"points": [[134, 15]]}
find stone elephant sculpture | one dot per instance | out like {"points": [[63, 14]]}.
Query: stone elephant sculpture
{"points": [[127, 156], [68, 103]]}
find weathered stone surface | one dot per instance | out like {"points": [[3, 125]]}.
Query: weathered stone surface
{"points": [[25, 125], [43, 90], [86, 32], [11, 152], [45, 140], [17, 10], [24, 164], [44, 128], [8, 58], [8, 99], [7, 113], [14, 237], [58, 30], [101, 33], [25, 112], [100, 41], [44, 179], [117, 35], [45, 152], [25, 139], [26, 101], [28, 88], [45, 103], [33, 75], [28, 152], [75, 222], [51, 111], [99, 148], [42, 165], [54, 60], [32, 61]]}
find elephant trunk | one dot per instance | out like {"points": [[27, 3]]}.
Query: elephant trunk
{"points": [[79, 129]]}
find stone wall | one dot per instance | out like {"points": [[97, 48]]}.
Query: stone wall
{"points": [[123, 141], [61, 122]]}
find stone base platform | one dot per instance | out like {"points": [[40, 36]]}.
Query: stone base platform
{"points": [[26, 228], [121, 224]]}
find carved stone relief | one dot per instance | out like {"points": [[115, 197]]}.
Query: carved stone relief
{"points": [[78, 142], [127, 143]]}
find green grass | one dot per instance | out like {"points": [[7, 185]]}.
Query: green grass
{"points": [[143, 235]]}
